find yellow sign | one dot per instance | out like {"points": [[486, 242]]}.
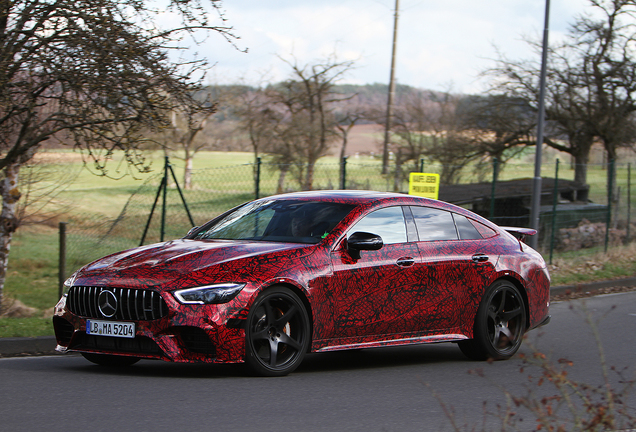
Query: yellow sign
{"points": [[424, 185]]}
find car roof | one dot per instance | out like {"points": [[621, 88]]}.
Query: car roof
{"points": [[348, 196]]}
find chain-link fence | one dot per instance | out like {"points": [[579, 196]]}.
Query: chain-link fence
{"points": [[572, 215]]}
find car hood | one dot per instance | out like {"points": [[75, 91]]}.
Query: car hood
{"points": [[161, 263]]}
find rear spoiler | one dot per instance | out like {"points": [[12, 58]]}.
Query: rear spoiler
{"points": [[520, 233]]}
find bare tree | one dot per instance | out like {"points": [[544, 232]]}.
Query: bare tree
{"points": [[257, 117], [259, 120], [307, 101], [345, 122], [498, 127], [413, 119], [591, 83], [41, 183], [91, 73], [609, 70], [294, 122], [186, 124], [426, 125]]}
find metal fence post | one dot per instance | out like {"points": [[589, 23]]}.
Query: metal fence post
{"points": [[152, 210], [629, 200], [164, 198], [343, 168], [183, 200], [555, 201], [610, 182], [257, 180], [61, 271], [421, 165], [495, 167]]}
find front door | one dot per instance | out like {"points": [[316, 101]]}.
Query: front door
{"points": [[376, 294]]}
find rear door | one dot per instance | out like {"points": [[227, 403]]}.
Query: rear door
{"points": [[456, 265]]}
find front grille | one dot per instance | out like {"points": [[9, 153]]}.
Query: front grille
{"points": [[138, 345], [63, 330], [132, 304]]}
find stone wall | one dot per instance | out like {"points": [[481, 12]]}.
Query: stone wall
{"points": [[588, 235]]}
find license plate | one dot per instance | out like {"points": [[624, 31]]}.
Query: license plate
{"points": [[110, 328]]}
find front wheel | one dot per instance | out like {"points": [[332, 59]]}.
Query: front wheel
{"points": [[110, 360], [499, 324], [277, 333]]}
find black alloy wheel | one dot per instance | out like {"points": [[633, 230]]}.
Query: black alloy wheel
{"points": [[499, 324], [110, 360], [277, 333]]}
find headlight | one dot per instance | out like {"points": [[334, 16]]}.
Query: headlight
{"points": [[210, 294], [60, 306], [70, 281]]}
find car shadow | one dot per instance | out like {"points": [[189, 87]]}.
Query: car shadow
{"points": [[377, 358], [314, 363], [161, 369]]}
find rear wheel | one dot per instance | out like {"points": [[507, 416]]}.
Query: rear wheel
{"points": [[110, 360], [277, 333], [499, 324]]}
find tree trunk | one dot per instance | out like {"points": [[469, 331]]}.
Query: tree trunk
{"points": [[8, 220], [187, 172], [343, 152], [309, 178], [397, 179], [612, 156], [580, 168], [581, 145], [281, 178]]}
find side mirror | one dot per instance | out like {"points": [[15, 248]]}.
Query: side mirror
{"points": [[359, 241]]}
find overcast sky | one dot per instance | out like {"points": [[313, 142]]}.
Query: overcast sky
{"points": [[440, 43]]}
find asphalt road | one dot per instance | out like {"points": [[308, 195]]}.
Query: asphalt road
{"points": [[392, 389]]}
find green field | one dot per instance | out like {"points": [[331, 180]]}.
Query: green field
{"points": [[107, 194], [89, 203]]}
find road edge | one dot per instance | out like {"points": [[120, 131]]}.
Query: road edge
{"points": [[593, 287], [27, 346]]}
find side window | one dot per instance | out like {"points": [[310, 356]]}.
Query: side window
{"points": [[434, 224], [388, 223], [485, 231], [467, 231]]}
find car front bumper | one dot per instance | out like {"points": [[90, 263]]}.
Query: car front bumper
{"points": [[185, 334]]}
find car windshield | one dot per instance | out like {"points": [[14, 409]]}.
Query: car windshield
{"points": [[293, 221]]}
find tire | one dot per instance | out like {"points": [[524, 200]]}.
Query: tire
{"points": [[499, 324], [277, 333], [110, 360]]}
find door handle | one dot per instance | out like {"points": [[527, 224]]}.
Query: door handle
{"points": [[480, 257], [405, 262]]}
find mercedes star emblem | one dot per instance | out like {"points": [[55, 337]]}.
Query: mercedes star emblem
{"points": [[107, 303]]}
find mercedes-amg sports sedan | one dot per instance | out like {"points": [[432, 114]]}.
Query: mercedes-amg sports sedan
{"points": [[278, 277]]}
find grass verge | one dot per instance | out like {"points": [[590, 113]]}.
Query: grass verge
{"points": [[25, 327], [584, 266]]}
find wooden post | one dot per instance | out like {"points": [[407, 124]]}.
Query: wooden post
{"points": [[61, 272]]}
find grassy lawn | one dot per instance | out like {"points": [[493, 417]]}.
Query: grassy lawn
{"points": [[570, 268], [26, 327], [33, 265], [107, 195], [33, 268]]}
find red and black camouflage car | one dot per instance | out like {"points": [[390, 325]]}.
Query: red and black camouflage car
{"points": [[275, 278]]}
